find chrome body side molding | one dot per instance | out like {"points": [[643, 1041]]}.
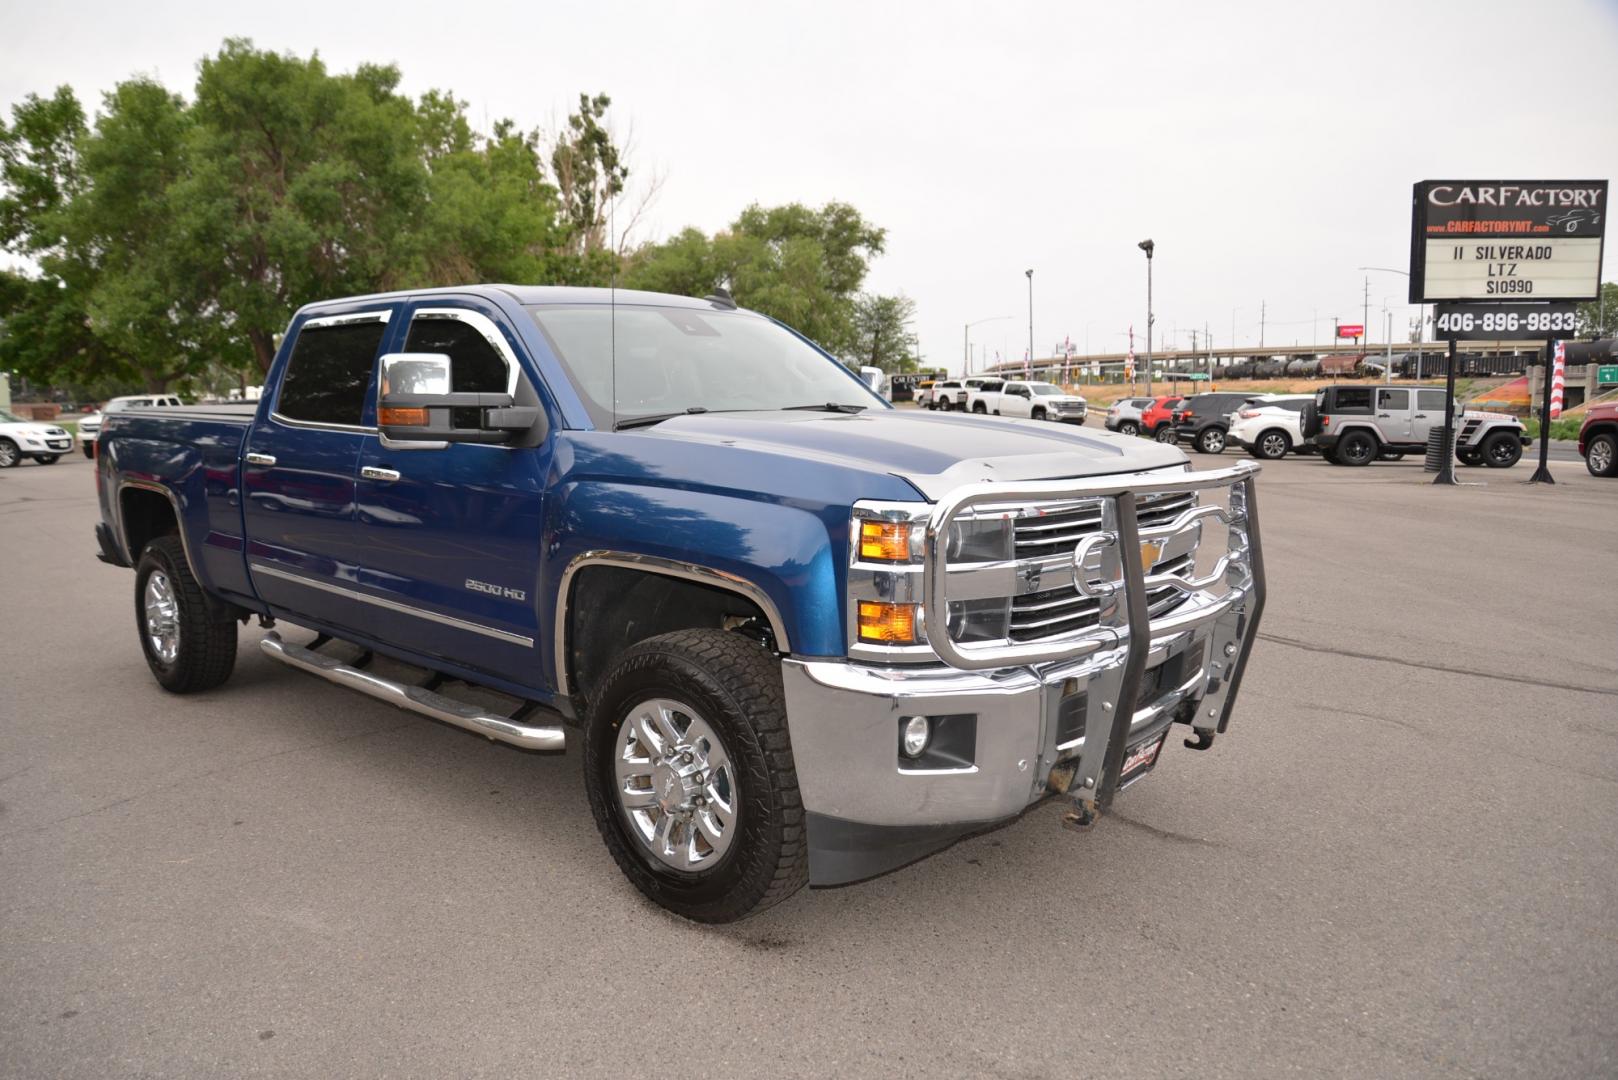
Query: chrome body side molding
{"points": [[392, 605]]}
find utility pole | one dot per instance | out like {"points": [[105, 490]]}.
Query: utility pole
{"points": [[1263, 310], [1365, 316]]}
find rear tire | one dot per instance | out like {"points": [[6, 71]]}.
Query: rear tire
{"points": [[1129, 427], [1272, 445], [980, 410], [1356, 448], [733, 687], [1165, 434], [1469, 458], [89, 449], [1211, 440], [188, 638], [1601, 455], [1502, 450]]}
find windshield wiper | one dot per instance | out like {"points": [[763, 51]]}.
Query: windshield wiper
{"points": [[830, 406], [656, 418]]}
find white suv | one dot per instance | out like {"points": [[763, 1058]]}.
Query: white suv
{"points": [[21, 438], [90, 426], [1270, 425]]}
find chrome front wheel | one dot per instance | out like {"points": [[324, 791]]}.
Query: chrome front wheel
{"points": [[162, 617], [676, 785]]}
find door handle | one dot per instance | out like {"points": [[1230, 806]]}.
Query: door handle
{"points": [[371, 472], [260, 459], [1384, 416], [1419, 416]]}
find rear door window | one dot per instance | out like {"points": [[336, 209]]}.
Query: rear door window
{"points": [[329, 372], [1393, 400]]}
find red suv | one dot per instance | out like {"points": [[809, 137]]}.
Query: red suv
{"points": [[1157, 421], [1598, 439]]}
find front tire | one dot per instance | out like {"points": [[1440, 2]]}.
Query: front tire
{"points": [[48, 459], [1356, 448], [1601, 455], [1502, 450], [89, 449], [1165, 434], [189, 640], [1211, 441], [712, 843], [9, 455], [1039, 414]]}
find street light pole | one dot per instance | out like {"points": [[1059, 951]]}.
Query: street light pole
{"points": [[966, 342], [1148, 247], [1029, 367]]}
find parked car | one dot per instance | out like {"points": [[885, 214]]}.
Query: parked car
{"points": [[952, 393], [1271, 425], [710, 583], [1356, 425], [1598, 439], [923, 393], [1124, 415], [1203, 420], [1157, 420], [1030, 400], [90, 426], [978, 397], [21, 439]]}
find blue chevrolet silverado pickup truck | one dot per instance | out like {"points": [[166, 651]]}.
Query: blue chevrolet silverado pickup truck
{"points": [[799, 637]]}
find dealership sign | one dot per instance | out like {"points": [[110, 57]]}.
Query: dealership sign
{"points": [[1514, 240]]}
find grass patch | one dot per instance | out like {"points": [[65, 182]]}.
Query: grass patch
{"points": [[1567, 430]]}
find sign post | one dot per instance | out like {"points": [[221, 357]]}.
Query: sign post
{"points": [[1505, 259]]}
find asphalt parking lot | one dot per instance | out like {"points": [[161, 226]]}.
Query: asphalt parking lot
{"points": [[1398, 862]]}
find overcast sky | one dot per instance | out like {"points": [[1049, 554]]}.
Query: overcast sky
{"points": [[1268, 149]]}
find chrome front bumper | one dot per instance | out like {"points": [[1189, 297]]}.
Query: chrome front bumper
{"points": [[1039, 724]]}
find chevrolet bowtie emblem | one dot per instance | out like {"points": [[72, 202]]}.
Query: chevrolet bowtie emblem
{"points": [[1150, 552]]}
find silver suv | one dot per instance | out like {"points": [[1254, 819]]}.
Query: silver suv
{"points": [[1356, 425]]}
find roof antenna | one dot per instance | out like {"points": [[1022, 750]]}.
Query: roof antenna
{"points": [[612, 303], [722, 297]]}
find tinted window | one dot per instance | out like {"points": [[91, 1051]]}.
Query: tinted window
{"points": [[1393, 399], [328, 373], [1430, 399], [474, 364], [1352, 397]]}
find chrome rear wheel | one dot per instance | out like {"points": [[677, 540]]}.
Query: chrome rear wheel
{"points": [[162, 617]]}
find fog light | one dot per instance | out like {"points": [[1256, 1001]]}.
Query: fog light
{"points": [[914, 735]]}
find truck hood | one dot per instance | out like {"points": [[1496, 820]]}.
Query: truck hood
{"points": [[935, 454]]}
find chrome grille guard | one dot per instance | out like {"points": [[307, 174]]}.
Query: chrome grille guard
{"points": [[1235, 612]]}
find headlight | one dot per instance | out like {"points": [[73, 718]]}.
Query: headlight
{"points": [[979, 540]]}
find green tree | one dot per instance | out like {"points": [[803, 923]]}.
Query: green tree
{"points": [[800, 265], [1599, 318], [881, 328]]}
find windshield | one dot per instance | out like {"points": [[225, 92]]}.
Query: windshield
{"points": [[1044, 389], [676, 359]]}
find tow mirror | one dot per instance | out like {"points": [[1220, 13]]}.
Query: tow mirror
{"points": [[416, 404]]}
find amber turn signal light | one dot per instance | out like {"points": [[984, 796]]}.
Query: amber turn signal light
{"points": [[887, 624], [888, 541], [395, 416]]}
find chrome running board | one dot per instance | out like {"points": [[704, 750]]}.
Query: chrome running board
{"points": [[417, 699]]}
